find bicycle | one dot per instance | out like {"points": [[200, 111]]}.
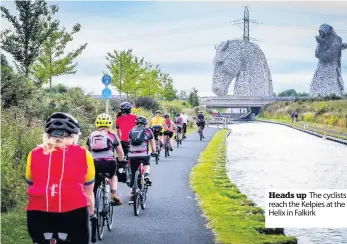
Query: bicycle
{"points": [[166, 146], [179, 137], [157, 150], [54, 238], [140, 189], [104, 209], [200, 132]]}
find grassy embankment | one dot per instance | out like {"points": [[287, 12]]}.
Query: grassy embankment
{"points": [[233, 218], [325, 117]]}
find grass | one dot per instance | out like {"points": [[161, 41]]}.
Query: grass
{"points": [[14, 228], [233, 218], [315, 127]]}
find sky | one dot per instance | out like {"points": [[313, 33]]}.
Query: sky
{"points": [[180, 37]]}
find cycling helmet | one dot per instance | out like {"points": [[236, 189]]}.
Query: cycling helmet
{"points": [[158, 112], [62, 124], [103, 120], [178, 114], [166, 116], [141, 121], [200, 112], [125, 107]]}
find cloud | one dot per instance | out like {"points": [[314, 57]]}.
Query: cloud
{"points": [[181, 37]]}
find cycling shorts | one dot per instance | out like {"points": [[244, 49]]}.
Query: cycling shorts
{"points": [[202, 124], [179, 130], [157, 131], [75, 223], [125, 147], [168, 133]]}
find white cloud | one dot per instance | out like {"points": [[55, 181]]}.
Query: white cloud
{"points": [[105, 33]]}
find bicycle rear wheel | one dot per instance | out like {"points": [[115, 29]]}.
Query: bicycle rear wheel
{"points": [[99, 213], [200, 133], [166, 148], [178, 140], [144, 197], [137, 200]]}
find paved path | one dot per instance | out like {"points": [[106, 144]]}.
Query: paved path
{"points": [[172, 215]]}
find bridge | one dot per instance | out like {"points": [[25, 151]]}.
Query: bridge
{"points": [[254, 105]]}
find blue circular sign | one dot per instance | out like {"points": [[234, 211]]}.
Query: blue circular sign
{"points": [[106, 93], [106, 80]]}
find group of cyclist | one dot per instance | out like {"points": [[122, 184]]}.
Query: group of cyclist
{"points": [[62, 176]]}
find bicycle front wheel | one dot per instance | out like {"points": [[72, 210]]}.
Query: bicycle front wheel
{"points": [[110, 213]]}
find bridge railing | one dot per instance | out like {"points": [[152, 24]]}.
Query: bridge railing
{"points": [[221, 122]]}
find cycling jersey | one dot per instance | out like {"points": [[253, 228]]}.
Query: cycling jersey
{"points": [[157, 121], [179, 121], [169, 124], [201, 118], [125, 123], [143, 149], [56, 180]]}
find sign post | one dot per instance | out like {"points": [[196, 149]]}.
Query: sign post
{"points": [[106, 92]]}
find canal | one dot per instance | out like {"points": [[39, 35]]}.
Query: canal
{"points": [[265, 156]]}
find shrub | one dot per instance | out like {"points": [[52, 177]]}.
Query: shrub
{"points": [[147, 103], [18, 138]]}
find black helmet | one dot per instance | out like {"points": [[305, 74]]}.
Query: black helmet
{"points": [[125, 107], [178, 114], [62, 122], [166, 116], [141, 121], [158, 112]]}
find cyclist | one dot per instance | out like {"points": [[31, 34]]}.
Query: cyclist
{"points": [[179, 124], [60, 176], [170, 127], [185, 122], [102, 144], [156, 122], [141, 138], [200, 121], [124, 123]]}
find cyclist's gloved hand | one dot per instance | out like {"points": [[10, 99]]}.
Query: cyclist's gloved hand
{"points": [[93, 216]]}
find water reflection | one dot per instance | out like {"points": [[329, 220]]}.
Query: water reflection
{"points": [[266, 155]]}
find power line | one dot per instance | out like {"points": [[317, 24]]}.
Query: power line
{"points": [[176, 31]]}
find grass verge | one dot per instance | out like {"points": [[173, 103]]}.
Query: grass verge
{"points": [[333, 131], [233, 218], [14, 228]]}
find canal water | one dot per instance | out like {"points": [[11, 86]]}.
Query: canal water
{"points": [[265, 155]]}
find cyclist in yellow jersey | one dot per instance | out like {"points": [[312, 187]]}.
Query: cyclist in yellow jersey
{"points": [[159, 121]]}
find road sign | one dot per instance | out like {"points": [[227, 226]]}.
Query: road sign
{"points": [[106, 80], [106, 93]]}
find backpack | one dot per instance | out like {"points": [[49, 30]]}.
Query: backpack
{"points": [[137, 136], [99, 141], [179, 120]]}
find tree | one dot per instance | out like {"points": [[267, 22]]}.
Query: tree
{"points": [[16, 89], [150, 83], [194, 97], [25, 41], [118, 65], [183, 95], [288, 93], [53, 62], [168, 90]]}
